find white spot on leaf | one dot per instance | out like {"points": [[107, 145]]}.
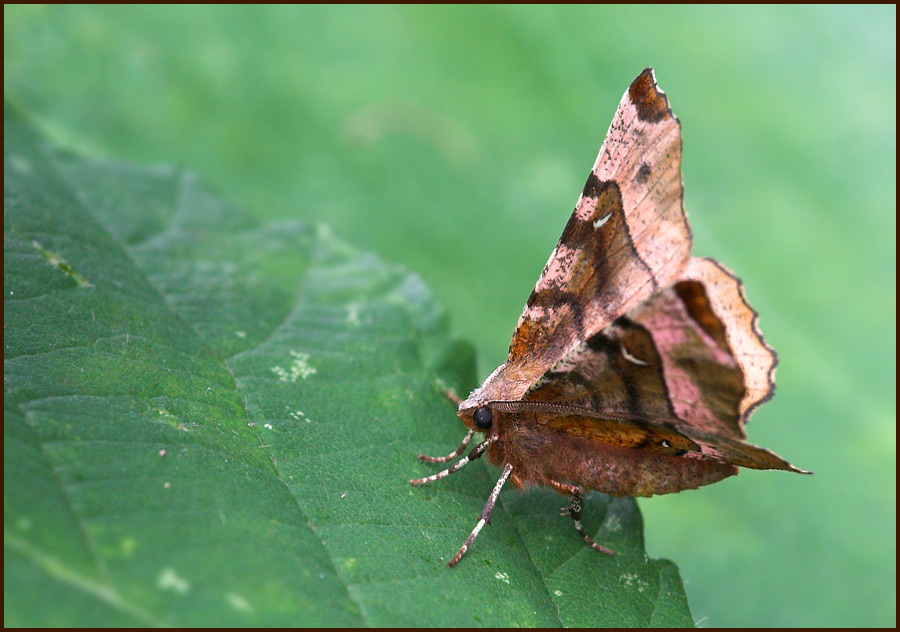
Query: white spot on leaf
{"points": [[503, 577], [299, 369], [632, 580], [169, 579]]}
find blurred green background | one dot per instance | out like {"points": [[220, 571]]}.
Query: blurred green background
{"points": [[455, 140]]}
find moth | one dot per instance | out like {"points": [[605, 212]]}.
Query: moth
{"points": [[634, 367]]}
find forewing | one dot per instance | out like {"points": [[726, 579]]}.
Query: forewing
{"points": [[616, 371], [627, 237]]}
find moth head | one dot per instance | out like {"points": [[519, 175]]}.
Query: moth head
{"points": [[478, 418]]}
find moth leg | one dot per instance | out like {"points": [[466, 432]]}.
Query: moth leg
{"points": [[565, 490], [476, 452], [452, 455], [485, 515], [574, 512]]}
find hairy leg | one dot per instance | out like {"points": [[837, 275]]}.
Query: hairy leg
{"points": [[574, 512], [485, 515], [452, 455], [476, 452]]}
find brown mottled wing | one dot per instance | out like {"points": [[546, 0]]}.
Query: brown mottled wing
{"points": [[622, 431], [627, 238], [716, 317], [690, 359]]}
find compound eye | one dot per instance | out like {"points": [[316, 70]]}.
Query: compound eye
{"points": [[483, 417]]}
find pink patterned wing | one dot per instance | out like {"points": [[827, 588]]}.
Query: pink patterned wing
{"points": [[690, 359], [627, 238]]}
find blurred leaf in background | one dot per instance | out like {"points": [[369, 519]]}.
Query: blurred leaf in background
{"points": [[454, 140]]}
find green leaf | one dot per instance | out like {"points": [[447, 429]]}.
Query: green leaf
{"points": [[213, 422]]}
